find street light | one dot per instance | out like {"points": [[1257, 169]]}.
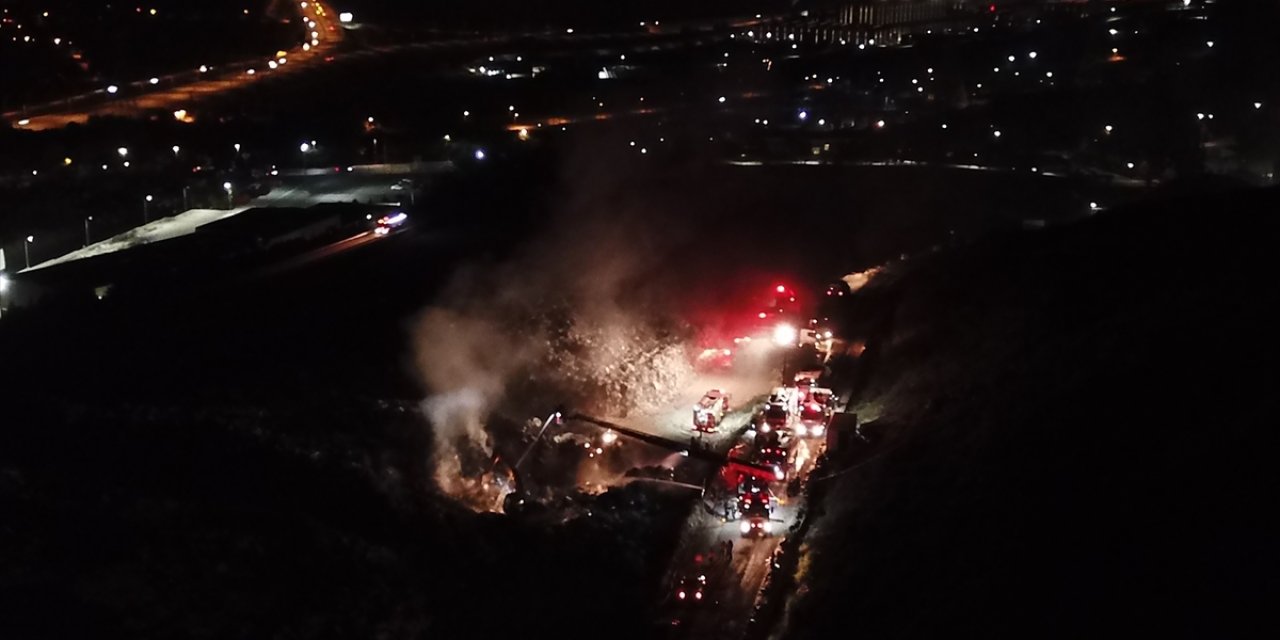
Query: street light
{"points": [[86, 230], [26, 250], [146, 205], [226, 186], [123, 151]]}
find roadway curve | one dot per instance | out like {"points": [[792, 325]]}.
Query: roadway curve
{"points": [[181, 90]]}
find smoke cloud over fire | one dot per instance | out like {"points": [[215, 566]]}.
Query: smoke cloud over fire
{"points": [[577, 317]]}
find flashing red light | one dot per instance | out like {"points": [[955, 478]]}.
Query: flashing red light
{"points": [[992, 8], [781, 289]]}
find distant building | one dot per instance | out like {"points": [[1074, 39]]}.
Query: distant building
{"points": [[883, 13]]}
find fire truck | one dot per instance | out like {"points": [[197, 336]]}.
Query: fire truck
{"points": [[710, 411], [755, 507]]}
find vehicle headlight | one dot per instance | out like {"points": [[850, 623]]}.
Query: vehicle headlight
{"points": [[697, 595], [818, 431], [745, 527], [680, 595], [802, 430], [768, 527]]}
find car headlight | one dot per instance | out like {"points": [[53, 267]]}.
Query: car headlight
{"points": [[768, 527], [802, 430], [745, 527], [680, 595], [818, 431]]}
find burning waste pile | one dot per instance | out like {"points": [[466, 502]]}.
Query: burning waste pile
{"points": [[474, 367], [522, 356]]}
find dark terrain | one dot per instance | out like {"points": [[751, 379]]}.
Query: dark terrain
{"points": [[1074, 437]]}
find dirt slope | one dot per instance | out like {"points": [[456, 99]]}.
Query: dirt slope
{"points": [[1080, 437]]}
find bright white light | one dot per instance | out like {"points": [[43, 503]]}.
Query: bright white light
{"points": [[803, 115], [176, 149], [204, 68], [1033, 55], [150, 198], [479, 154], [113, 89], [721, 100], [996, 133], [154, 81], [784, 335], [1199, 116], [4, 283], [879, 124], [123, 152], [345, 17], [609, 437], [304, 147], [1130, 165], [1257, 105], [1209, 44], [745, 527], [1109, 128]]}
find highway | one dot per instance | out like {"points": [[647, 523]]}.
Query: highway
{"points": [[180, 91]]}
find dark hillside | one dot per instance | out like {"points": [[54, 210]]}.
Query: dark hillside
{"points": [[1082, 442]]}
